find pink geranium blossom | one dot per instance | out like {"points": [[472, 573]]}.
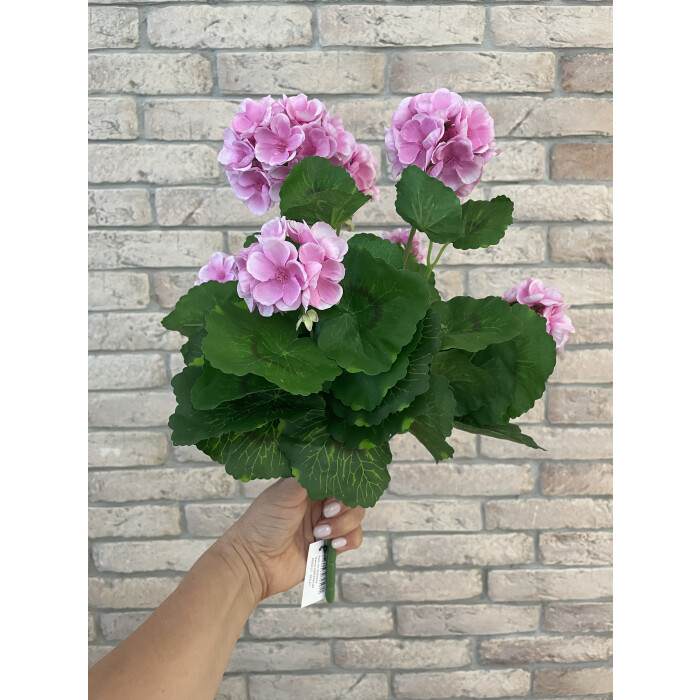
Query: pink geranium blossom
{"points": [[253, 188], [280, 278], [278, 143], [547, 302], [419, 250], [220, 268], [363, 168]]}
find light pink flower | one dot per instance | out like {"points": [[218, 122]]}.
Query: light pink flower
{"points": [[419, 249], [303, 110], [237, 154], [279, 276], [558, 324], [363, 168], [251, 115], [278, 143], [415, 142], [275, 228], [220, 268], [455, 164], [252, 187], [345, 141]]}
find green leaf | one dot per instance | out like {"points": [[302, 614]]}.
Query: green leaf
{"points": [[192, 349], [435, 424], [509, 431], [430, 206], [191, 311], [327, 468], [190, 426], [252, 238], [472, 324], [484, 223], [252, 455], [376, 316], [379, 248], [415, 383], [315, 190], [240, 342], [215, 387]]}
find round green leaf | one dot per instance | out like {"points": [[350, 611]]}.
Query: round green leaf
{"points": [[215, 387], [191, 311], [484, 223]]}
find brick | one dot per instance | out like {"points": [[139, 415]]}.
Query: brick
{"points": [[588, 72], [133, 409], [520, 245], [582, 161], [567, 116], [127, 592], [578, 285], [539, 584], [232, 688], [288, 597], [134, 521], [473, 684], [556, 27], [579, 404], [367, 25], [212, 519], [119, 625], [150, 73], [517, 651], [560, 443], [584, 367], [156, 484], [249, 657], [149, 555], [168, 286], [189, 453], [573, 681], [560, 202], [519, 160], [364, 686], [206, 206], [405, 448], [472, 71], [109, 291], [576, 548], [365, 118], [592, 326], [177, 364], [230, 27], [374, 551], [329, 622], [187, 120], [92, 628], [374, 586], [112, 118], [113, 28], [402, 653], [576, 479], [588, 243], [450, 283], [97, 652], [470, 550], [170, 164], [138, 2], [447, 479], [460, 620], [334, 72], [436, 514], [379, 213], [130, 331], [534, 415], [126, 449], [128, 371], [509, 112], [574, 618], [129, 207], [126, 249], [548, 514]]}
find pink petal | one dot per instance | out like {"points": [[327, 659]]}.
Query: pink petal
{"points": [[333, 271], [268, 292], [261, 267], [311, 252], [278, 251], [330, 292], [291, 293]]}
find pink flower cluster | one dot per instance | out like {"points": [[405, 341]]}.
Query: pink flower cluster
{"points": [[448, 138], [547, 302], [291, 265], [268, 137], [419, 249]]}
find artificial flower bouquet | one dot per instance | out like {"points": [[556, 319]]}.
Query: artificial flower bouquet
{"points": [[307, 352]]}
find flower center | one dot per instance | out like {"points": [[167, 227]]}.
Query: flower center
{"points": [[281, 275]]}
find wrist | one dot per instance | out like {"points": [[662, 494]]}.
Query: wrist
{"points": [[235, 551]]}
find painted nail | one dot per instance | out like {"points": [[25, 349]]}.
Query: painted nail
{"points": [[322, 531], [331, 509], [339, 542]]}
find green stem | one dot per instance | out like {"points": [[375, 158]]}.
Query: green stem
{"points": [[406, 252], [442, 250], [330, 572], [430, 252]]}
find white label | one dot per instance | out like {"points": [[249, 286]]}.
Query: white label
{"points": [[315, 578]]}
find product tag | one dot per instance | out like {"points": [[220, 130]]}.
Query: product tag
{"points": [[315, 578]]}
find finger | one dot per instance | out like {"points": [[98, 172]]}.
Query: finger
{"points": [[351, 540], [333, 507], [340, 524]]}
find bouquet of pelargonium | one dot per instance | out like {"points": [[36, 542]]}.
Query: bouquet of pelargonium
{"points": [[307, 352]]}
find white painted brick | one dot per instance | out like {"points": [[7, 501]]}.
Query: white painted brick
{"points": [[119, 207], [168, 286], [213, 519], [559, 443], [109, 291], [113, 28], [569, 404], [130, 331], [425, 514], [548, 514], [573, 681], [519, 160], [576, 479], [365, 686], [188, 120], [559, 202], [365, 117], [576, 548], [450, 282], [137, 409], [566, 116], [575, 618], [374, 551], [112, 118], [584, 366], [150, 555], [126, 371], [117, 626], [133, 521], [539, 584], [402, 653], [573, 244], [520, 245], [249, 657], [592, 326], [406, 448], [518, 651], [126, 449], [473, 684], [232, 688]]}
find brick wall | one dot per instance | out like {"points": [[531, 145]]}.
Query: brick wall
{"points": [[485, 576]]}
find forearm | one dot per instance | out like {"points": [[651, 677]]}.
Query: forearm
{"points": [[181, 651]]}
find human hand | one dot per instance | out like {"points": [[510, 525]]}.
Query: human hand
{"points": [[273, 535]]}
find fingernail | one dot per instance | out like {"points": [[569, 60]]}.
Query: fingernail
{"points": [[331, 509], [322, 531], [338, 542]]}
